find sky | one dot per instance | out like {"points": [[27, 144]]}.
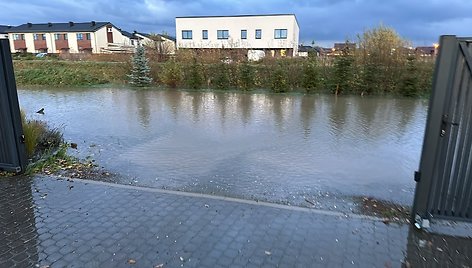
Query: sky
{"points": [[321, 21]]}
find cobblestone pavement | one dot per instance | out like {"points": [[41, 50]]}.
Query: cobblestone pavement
{"points": [[60, 223]]}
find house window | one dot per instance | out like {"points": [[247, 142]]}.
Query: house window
{"points": [[187, 34], [43, 36], [280, 34], [65, 37], [57, 36], [35, 37], [80, 36], [222, 34], [18, 37], [258, 34], [243, 34], [87, 35], [204, 34]]}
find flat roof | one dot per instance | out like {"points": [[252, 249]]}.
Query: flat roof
{"points": [[235, 16]]}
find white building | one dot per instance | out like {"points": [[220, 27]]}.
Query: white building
{"points": [[161, 43], [276, 34]]}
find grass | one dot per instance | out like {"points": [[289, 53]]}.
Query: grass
{"points": [[69, 73]]}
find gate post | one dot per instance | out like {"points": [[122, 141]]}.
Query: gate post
{"points": [[442, 81], [12, 147]]}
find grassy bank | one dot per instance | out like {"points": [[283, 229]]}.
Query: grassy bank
{"points": [[59, 73], [282, 75]]}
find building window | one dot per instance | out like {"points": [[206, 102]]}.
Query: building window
{"points": [[222, 34], [65, 37], [258, 34], [80, 36], [243, 34], [57, 36], [204, 34], [35, 37], [18, 37], [280, 34], [187, 34], [87, 35], [43, 36]]}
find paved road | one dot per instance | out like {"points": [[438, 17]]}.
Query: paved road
{"points": [[59, 223]]}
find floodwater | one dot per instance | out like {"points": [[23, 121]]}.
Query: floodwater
{"points": [[284, 148]]}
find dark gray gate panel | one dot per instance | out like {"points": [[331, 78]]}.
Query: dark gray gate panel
{"points": [[444, 189], [12, 149]]}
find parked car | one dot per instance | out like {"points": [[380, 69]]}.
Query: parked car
{"points": [[41, 55]]}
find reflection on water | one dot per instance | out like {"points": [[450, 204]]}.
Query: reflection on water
{"points": [[267, 146]]}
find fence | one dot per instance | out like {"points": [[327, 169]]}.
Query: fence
{"points": [[444, 188], [12, 148]]}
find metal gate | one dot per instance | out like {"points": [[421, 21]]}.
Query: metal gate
{"points": [[12, 148], [444, 188]]}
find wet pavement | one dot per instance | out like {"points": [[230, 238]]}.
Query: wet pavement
{"points": [[60, 223]]}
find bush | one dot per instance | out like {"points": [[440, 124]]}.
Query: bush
{"points": [[409, 83], [246, 76], [310, 74], [343, 72], [220, 73], [195, 75], [279, 81], [39, 137], [171, 73]]}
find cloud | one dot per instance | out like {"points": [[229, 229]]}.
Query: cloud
{"points": [[320, 20]]}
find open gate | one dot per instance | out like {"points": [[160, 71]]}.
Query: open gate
{"points": [[12, 148], [444, 179]]}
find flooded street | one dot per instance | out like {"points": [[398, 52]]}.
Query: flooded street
{"points": [[283, 148]]}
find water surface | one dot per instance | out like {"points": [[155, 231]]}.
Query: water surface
{"points": [[275, 147]]}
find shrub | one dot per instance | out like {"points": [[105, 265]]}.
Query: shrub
{"points": [[246, 76], [343, 72], [39, 137], [409, 83], [279, 79], [171, 74], [310, 74], [195, 75], [220, 76]]}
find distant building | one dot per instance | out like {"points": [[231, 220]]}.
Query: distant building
{"points": [[305, 51], [3, 31], [162, 43], [340, 47], [425, 51], [71, 37], [276, 34]]}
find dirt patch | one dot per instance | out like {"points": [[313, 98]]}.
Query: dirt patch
{"points": [[390, 211]]}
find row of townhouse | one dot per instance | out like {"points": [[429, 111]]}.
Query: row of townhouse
{"points": [[71, 37], [277, 34]]}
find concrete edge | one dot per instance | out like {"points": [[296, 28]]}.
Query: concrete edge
{"points": [[220, 198]]}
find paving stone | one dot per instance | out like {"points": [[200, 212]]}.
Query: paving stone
{"points": [[99, 225]]}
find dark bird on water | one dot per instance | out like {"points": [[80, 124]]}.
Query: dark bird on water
{"points": [[40, 111]]}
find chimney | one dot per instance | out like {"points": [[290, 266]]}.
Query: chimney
{"points": [[93, 23], [49, 24], [29, 24], [71, 23]]}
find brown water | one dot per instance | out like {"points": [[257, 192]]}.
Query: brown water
{"points": [[274, 147]]}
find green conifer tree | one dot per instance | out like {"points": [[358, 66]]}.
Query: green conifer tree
{"points": [[140, 72]]}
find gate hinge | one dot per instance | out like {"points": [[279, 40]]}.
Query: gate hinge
{"points": [[417, 176]]}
